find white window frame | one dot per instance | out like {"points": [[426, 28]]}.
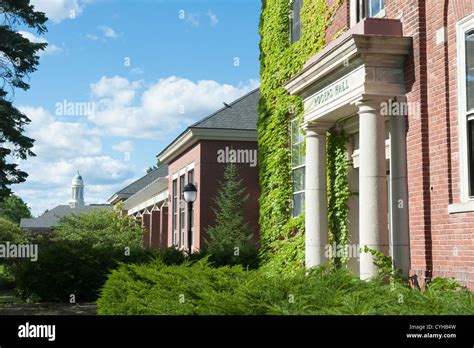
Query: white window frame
{"points": [[182, 211], [192, 210], [174, 212], [303, 191], [462, 27]]}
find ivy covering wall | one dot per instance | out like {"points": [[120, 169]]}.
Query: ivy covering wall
{"points": [[282, 237]]}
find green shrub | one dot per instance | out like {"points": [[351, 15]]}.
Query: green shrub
{"points": [[13, 208], [246, 256], [64, 268], [197, 288], [134, 289], [101, 228], [10, 232], [77, 259]]}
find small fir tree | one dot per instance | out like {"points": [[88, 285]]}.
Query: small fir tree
{"points": [[230, 230]]}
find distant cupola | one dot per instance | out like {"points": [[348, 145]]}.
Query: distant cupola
{"points": [[77, 192]]}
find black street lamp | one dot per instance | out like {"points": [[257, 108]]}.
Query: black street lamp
{"points": [[189, 195]]}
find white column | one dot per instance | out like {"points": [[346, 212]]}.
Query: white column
{"points": [[316, 210], [400, 238], [373, 225]]}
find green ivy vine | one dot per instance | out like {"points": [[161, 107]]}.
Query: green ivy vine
{"points": [[281, 236], [337, 169]]}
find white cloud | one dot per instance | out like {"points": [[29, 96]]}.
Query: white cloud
{"points": [[163, 108], [108, 32], [49, 50], [212, 18], [60, 139], [58, 10], [62, 148], [92, 37], [124, 146]]}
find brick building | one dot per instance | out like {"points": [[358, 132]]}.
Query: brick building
{"points": [[414, 168], [199, 155]]}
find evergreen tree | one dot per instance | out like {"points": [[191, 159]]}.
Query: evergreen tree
{"points": [[230, 229], [13, 208], [18, 58]]}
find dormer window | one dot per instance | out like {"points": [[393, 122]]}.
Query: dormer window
{"points": [[295, 20]]}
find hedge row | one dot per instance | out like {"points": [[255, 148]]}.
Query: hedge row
{"points": [[197, 288]]}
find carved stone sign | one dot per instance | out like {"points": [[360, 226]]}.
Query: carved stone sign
{"points": [[332, 91]]}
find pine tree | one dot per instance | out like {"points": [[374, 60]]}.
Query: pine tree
{"points": [[18, 58], [230, 230]]}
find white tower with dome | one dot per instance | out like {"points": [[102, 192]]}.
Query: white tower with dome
{"points": [[77, 192]]}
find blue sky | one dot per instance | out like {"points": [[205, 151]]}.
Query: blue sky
{"points": [[146, 69]]}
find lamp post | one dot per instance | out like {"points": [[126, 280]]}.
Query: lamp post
{"points": [[189, 195]]}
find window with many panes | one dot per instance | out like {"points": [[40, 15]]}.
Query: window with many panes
{"points": [[175, 213], [295, 20], [469, 70], [182, 205], [298, 167], [465, 37]]}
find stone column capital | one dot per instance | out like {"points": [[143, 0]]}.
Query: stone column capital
{"points": [[316, 128], [373, 103]]}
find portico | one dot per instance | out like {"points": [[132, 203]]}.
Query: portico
{"points": [[347, 84]]}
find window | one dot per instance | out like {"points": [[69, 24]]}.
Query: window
{"points": [[182, 222], [175, 213], [295, 20], [375, 8], [361, 9], [470, 134], [298, 167], [191, 180], [465, 42], [469, 77]]}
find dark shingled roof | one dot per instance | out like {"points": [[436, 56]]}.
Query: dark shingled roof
{"points": [[242, 114], [51, 217], [137, 185]]}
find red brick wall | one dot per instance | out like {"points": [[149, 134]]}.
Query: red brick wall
{"points": [[340, 20], [189, 156], [214, 173], [442, 244], [207, 175]]}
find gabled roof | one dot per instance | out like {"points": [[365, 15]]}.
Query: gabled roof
{"points": [[237, 121], [51, 217], [137, 185]]}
